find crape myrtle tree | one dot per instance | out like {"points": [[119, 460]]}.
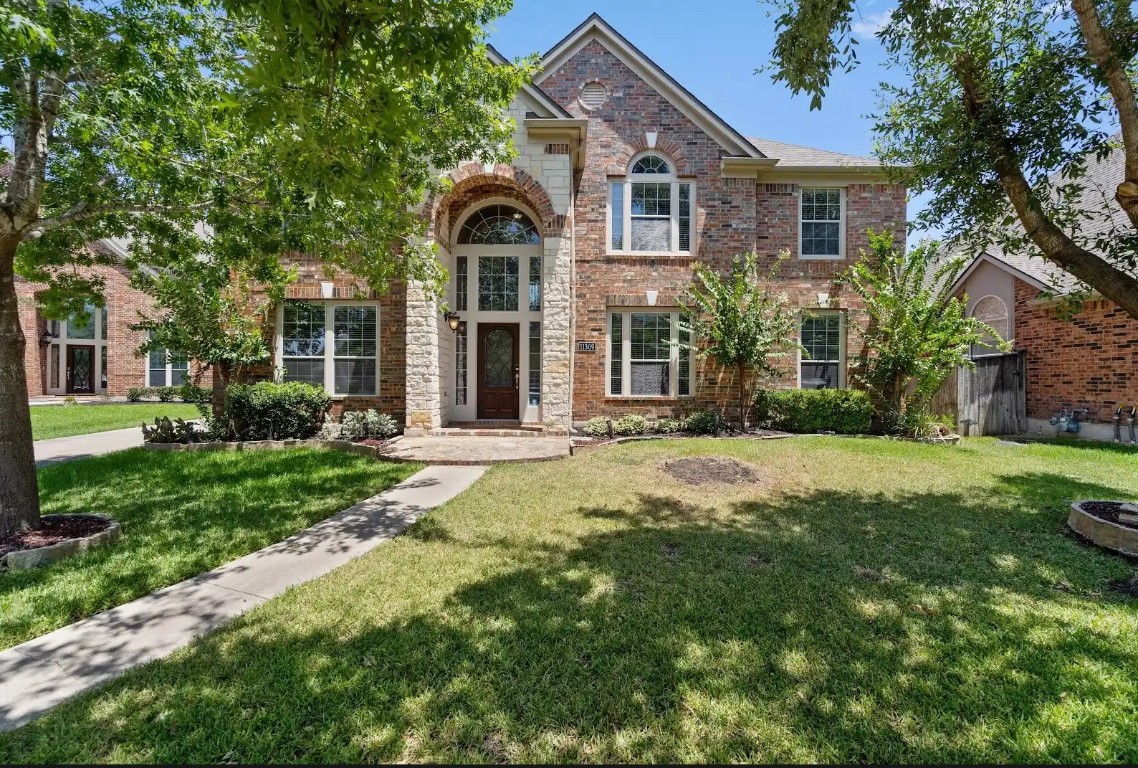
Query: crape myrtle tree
{"points": [[917, 333], [740, 322], [1004, 105], [229, 132]]}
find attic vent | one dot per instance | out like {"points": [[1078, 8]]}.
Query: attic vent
{"points": [[593, 95]]}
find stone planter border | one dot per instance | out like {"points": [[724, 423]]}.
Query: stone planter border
{"points": [[24, 559], [573, 448], [1108, 535], [347, 446]]}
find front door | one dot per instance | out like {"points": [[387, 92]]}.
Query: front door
{"points": [[498, 372], [80, 370]]}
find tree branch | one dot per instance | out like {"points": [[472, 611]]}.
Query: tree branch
{"points": [[1112, 71], [1056, 245], [82, 212]]}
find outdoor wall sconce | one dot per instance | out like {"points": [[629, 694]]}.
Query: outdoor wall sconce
{"points": [[454, 321], [46, 339]]}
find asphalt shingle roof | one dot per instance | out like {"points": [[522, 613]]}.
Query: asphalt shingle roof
{"points": [[797, 155]]}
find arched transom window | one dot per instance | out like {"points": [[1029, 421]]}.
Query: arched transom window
{"points": [[993, 311], [499, 225], [650, 210]]}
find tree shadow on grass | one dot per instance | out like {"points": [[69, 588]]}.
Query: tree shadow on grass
{"points": [[821, 626]]}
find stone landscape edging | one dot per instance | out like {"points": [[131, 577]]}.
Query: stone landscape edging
{"points": [[26, 559], [1103, 533], [347, 446]]}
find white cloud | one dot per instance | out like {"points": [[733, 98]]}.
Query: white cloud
{"points": [[871, 24]]}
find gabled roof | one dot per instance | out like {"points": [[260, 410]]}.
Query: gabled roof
{"points": [[531, 89], [1103, 218], [794, 156], [596, 28]]}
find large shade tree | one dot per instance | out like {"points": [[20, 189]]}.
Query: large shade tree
{"points": [[291, 125], [1001, 108]]}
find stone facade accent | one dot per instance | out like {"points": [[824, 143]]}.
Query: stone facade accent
{"points": [[1089, 361], [424, 398]]}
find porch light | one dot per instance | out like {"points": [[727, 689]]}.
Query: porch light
{"points": [[453, 320], [46, 339]]}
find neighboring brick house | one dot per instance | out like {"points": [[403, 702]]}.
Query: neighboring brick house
{"points": [[1085, 361], [94, 352], [566, 266]]}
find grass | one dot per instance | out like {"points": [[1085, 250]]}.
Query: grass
{"points": [[50, 421], [182, 514], [872, 601]]}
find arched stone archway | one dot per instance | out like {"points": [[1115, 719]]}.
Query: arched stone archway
{"points": [[473, 183]]}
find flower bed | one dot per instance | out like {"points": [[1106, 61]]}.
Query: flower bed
{"points": [[1111, 525], [59, 537]]}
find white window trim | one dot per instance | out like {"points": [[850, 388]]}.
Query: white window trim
{"points": [[842, 358], [169, 371], [973, 350], [626, 182], [674, 353], [62, 340], [329, 343], [841, 225]]}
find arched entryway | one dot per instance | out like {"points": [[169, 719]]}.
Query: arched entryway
{"points": [[497, 290]]}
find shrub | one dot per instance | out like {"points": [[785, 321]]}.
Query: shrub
{"points": [[629, 425], [135, 394], [272, 411], [597, 426], [166, 431], [844, 411], [166, 394], [703, 423], [667, 426], [196, 395], [360, 425]]}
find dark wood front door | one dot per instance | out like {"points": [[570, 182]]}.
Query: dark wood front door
{"points": [[498, 371], [80, 370]]}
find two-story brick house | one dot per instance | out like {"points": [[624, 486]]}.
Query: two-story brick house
{"points": [[566, 266]]}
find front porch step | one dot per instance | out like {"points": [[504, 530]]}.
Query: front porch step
{"points": [[503, 431]]}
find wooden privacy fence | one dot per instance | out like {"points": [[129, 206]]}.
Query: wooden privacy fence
{"points": [[990, 400]]}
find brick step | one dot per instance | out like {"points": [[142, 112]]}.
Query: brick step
{"points": [[483, 432]]}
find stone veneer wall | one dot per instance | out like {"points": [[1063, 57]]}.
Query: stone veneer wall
{"points": [[732, 216], [1089, 361]]}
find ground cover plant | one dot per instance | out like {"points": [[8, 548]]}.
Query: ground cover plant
{"points": [[863, 600], [50, 421], [182, 514]]}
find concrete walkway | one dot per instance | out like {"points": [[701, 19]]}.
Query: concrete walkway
{"points": [[85, 446], [461, 451], [38, 675]]}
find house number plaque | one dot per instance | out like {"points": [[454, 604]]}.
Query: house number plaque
{"points": [[586, 346]]}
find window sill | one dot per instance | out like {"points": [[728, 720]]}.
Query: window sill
{"points": [[349, 397], [649, 254], [648, 397], [804, 257]]}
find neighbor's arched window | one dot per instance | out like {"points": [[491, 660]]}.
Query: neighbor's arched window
{"points": [[650, 210], [993, 311], [499, 225]]}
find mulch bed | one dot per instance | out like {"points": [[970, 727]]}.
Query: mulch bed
{"points": [[1106, 510], [1125, 586], [704, 470], [53, 532]]}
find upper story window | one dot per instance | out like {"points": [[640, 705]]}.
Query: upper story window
{"points": [[650, 211], [822, 226], [499, 225]]}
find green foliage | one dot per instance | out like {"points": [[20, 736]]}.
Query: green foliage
{"points": [[918, 332], [996, 110], [668, 426], [627, 426], [807, 411], [165, 394], [739, 321], [704, 422], [272, 411], [136, 394], [598, 426], [362, 425], [167, 431], [188, 393]]}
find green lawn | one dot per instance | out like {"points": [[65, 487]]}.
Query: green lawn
{"points": [[182, 514], [870, 601], [65, 420]]}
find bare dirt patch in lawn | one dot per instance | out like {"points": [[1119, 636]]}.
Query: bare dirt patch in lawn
{"points": [[706, 470]]}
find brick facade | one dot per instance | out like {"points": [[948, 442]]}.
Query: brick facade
{"points": [[732, 216], [1089, 361]]}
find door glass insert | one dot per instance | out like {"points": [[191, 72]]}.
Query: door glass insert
{"points": [[81, 369], [499, 363]]}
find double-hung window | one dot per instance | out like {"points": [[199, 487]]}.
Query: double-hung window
{"points": [[644, 359], [822, 223], [334, 346], [650, 211], [822, 364], [166, 370]]}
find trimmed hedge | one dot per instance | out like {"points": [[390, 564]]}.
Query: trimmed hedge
{"points": [[271, 411], [844, 411]]}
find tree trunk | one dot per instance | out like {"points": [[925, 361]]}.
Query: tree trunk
{"points": [[19, 491], [223, 373], [743, 409]]}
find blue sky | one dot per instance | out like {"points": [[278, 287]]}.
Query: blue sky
{"points": [[713, 48]]}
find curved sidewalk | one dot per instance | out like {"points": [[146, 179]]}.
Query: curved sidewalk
{"points": [[61, 449], [40, 674]]}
